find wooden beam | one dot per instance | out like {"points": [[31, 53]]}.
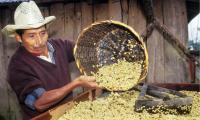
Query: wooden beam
{"points": [[114, 9], [136, 18], [169, 37], [147, 7], [174, 41], [148, 31], [124, 7]]}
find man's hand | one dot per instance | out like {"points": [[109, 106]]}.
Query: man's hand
{"points": [[87, 81]]}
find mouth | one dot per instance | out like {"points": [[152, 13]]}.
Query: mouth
{"points": [[39, 48], [37, 52]]}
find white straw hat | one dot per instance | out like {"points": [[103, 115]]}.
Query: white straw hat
{"points": [[27, 15]]}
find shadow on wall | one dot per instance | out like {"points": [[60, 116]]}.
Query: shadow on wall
{"points": [[2, 118]]}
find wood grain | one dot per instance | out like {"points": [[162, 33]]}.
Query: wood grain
{"points": [[176, 68], [155, 47], [115, 12]]}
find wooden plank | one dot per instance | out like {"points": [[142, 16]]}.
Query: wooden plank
{"points": [[10, 105], [69, 21], [183, 51], [179, 86], [101, 12], [156, 58], [170, 105], [59, 110], [87, 15], [115, 12], [136, 18], [50, 1], [3, 90], [77, 20], [124, 7], [182, 21], [178, 26], [11, 47], [6, 15], [57, 27], [2, 59], [176, 68], [147, 9], [155, 48], [45, 13]]}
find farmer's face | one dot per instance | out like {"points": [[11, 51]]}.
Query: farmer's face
{"points": [[34, 40]]}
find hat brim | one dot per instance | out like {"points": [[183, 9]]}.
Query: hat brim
{"points": [[9, 30]]}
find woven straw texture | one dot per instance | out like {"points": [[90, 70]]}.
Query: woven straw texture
{"points": [[105, 42]]}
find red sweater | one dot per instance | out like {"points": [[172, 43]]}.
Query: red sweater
{"points": [[27, 72]]}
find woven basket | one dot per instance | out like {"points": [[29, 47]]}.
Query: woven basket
{"points": [[101, 41]]}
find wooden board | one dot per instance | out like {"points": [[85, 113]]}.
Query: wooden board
{"points": [[165, 63], [101, 12], [69, 21], [87, 15], [57, 27], [124, 7], [77, 20], [155, 48], [9, 44], [45, 13], [176, 68], [2, 60], [136, 18], [115, 10], [3, 88], [9, 105], [56, 112]]}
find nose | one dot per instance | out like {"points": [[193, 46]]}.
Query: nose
{"points": [[38, 41]]}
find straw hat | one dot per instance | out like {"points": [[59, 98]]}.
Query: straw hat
{"points": [[27, 15]]}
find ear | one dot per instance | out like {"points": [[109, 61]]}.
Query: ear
{"points": [[18, 38]]}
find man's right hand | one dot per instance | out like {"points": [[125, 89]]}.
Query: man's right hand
{"points": [[86, 81]]}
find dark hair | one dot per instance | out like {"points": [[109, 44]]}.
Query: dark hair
{"points": [[20, 32]]}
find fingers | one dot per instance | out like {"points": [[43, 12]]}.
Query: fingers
{"points": [[88, 82], [91, 78], [94, 85], [87, 78]]}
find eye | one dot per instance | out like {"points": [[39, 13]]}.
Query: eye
{"points": [[31, 36], [43, 33]]}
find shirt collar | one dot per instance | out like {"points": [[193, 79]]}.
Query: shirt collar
{"points": [[50, 47]]}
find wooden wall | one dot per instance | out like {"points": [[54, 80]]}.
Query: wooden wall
{"points": [[165, 64]]}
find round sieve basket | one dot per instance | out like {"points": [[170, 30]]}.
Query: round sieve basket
{"points": [[106, 42]]}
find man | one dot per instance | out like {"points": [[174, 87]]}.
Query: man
{"points": [[38, 71]]}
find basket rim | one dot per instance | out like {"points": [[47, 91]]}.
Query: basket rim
{"points": [[81, 68]]}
